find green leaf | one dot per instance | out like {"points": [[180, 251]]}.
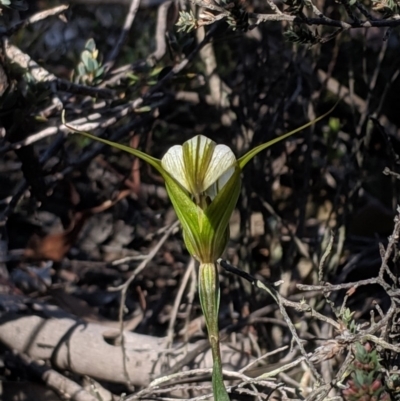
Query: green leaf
{"points": [[359, 378], [253, 152], [92, 65], [99, 72], [86, 56], [155, 72], [156, 163], [81, 69], [186, 21], [90, 45], [361, 353], [133, 78]]}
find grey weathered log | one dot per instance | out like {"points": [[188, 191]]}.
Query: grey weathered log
{"points": [[92, 349]]}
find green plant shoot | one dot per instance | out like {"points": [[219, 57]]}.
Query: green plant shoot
{"points": [[203, 181]]}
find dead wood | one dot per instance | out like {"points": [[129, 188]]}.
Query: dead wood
{"points": [[94, 350]]}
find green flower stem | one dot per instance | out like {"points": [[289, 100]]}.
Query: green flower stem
{"points": [[209, 300]]}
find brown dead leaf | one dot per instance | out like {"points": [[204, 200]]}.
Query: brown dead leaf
{"points": [[55, 246]]}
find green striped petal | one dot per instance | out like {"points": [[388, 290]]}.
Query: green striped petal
{"points": [[200, 165]]}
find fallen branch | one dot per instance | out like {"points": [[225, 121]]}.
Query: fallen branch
{"points": [[93, 350], [34, 19]]}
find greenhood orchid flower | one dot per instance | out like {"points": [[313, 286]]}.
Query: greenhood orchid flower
{"points": [[201, 166], [203, 181], [203, 184]]}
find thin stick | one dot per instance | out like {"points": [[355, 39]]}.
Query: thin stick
{"points": [[124, 288], [161, 29], [34, 19], [281, 303], [177, 302], [133, 8]]}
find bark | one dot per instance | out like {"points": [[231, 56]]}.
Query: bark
{"points": [[94, 350]]}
